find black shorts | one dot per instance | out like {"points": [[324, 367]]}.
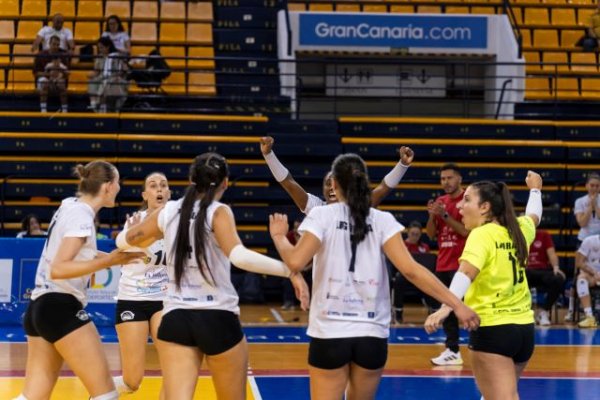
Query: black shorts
{"points": [[211, 331], [130, 310], [366, 352], [53, 316], [510, 340]]}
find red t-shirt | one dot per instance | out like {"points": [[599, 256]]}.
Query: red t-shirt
{"points": [[450, 243], [538, 252], [418, 248]]}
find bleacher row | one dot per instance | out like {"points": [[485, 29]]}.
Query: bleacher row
{"points": [[181, 30], [36, 160]]}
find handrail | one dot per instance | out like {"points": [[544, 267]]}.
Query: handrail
{"points": [[506, 6]]}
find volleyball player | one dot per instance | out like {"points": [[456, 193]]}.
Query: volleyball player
{"points": [[306, 201], [200, 316], [350, 312], [492, 278], [58, 328], [142, 288]]}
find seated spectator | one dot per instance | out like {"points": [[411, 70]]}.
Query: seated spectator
{"points": [[543, 272], [593, 26], [413, 238], [30, 226], [587, 262], [64, 34], [115, 31], [108, 85], [51, 71]]}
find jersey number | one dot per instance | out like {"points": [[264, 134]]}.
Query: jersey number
{"points": [[518, 272], [160, 259]]}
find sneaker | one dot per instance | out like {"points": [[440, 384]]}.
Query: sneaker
{"points": [[448, 357], [588, 322], [542, 319], [569, 318]]}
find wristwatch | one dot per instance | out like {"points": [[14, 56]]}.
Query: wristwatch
{"points": [[446, 215]]}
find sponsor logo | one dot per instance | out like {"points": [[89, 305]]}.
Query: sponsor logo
{"points": [[127, 316]]}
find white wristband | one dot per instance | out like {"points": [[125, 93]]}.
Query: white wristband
{"points": [[460, 284], [277, 169], [121, 240], [534, 204], [393, 178], [252, 261]]}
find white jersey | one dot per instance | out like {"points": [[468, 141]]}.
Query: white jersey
{"points": [[590, 248], [47, 32], [73, 218], [312, 202], [145, 279], [119, 39], [196, 292], [349, 300], [593, 226]]}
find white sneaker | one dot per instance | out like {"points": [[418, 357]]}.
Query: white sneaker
{"points": [[448, 357], [542, 318], [569, 317]]}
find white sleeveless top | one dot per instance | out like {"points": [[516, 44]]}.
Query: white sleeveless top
{"points": [[145, 279], [349, 301], [72, 219], [195, 291]]}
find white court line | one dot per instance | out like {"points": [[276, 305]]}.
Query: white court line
{"points": [[254, 388], [277, 316]]}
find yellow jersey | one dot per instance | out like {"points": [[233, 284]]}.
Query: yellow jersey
{"points": [[499, 294]]}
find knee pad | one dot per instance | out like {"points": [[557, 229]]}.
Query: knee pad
{"points": [[114, 395], [583, 287]]}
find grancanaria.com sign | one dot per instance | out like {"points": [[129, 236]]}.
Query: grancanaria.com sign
{"points": [[394, 31]]}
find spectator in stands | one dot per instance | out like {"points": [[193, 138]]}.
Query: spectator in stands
{"points": [[413, 239], [30, 226], [587, 262], [108, 86], [593, 29], [116, 32], [47, 32], [543, 272], [51, 69]]}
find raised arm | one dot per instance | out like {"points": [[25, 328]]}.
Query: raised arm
{"points": [[534, 204], [391, 180], [282, 175]]}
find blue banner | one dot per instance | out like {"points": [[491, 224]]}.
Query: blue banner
{"points": [[394, 31], [18, 264]]}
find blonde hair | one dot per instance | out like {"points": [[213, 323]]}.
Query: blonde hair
{"points": [[93, 175]]}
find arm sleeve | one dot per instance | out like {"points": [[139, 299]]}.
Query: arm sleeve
{"points": [[313, 223], [477, 249]]}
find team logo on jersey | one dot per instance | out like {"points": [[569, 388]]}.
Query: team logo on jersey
{"points": [[127, 316], [82, 315]]}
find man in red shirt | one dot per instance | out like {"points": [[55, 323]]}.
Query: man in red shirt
{"points": [[543, 272], [445, 225]]}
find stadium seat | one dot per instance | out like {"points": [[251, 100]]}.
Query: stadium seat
{"points": [[86, 31], [402, 9], [537, 16], [526, 33], [206, 57], [563, 16], [199, 33], [175, 83], [64, 7], [457, 10], [537, 88], [567, 88], [555, 61], [583, 16], [199, 11], [584, 62], [5, 57], [320, 7], [34, 9], [9, 9], [590, 88], [143, 32], [119, 8], [347, 7], [429, 9], [27, 31], [20, 80], [172, 33], [545, 38], [22, 56], [78, 81], [90, 9], [7, 31], [569, 37], [482, 10], [296, 7], [141, 50], [201, 83], [532, 58], [174, 51], [375, 8], [172, 11], [145, 11]]}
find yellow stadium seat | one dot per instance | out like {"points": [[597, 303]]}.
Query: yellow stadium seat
{"points": [[569, 37], [526, 33], [20, 80], [583, 16], [64, 7], [457, 10], [9, 9], [78, 81], [199, 11], [555, 61], [554, 1], [537, 88], [201, 83], [563, 16], [590, 88], [518, 12], [87, 31], [143, 32], [172, 32], [174, 51], [7, 31], [22, 56], [429, 9], [320, 7], [347, 8], [532, 58], [199, 33], [119, 8], [145, 11], [90, 9], [172, 11], [567, 88], [586, 2], [141, 50], [537, 16], [205, 57], [296, 7], [34, 9], [2, 82], [482, 10], [5, 56], [402, 9], [584, 62], [27, 30], [175, 83], [545, 38], [375, 8]]}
